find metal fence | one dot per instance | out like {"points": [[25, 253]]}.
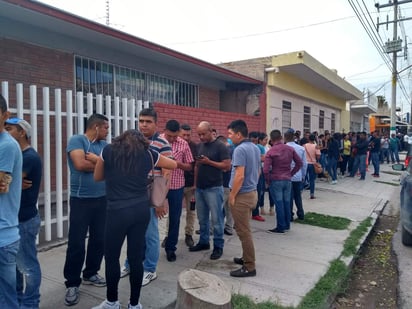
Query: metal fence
{"points": [[54, 120]]}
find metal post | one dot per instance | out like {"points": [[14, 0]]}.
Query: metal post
{"points": [[394, 69]]}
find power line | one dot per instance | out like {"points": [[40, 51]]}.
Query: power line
{"points": [[264, 33]]}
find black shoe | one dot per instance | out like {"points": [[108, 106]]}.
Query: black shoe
{"points": [[238, 261], [216, 254], [243, 272], [362, 178], [164, 242], [189, 240], [171, 256], [227, 232], [276, 231], [199, 247]]}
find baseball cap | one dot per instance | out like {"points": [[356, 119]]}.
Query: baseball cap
{"points": [[22, 124]]}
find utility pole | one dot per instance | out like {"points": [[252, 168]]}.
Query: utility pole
{"points": [[393, 47], [394, 68]]}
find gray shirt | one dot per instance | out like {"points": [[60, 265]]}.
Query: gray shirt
{"points": [[246, 154]]}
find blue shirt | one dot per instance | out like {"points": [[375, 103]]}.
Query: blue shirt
{"points": [[248, 155], [301, 153], [82, 184], [10, 162]]}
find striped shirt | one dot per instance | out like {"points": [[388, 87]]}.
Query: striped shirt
{"points": [[162, 146], [181, 153]]}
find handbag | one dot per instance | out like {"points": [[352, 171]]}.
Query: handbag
{"points": [[318, 167], [157, 188]]}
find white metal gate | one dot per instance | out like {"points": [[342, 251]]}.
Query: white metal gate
{"points": [[51, 131]]}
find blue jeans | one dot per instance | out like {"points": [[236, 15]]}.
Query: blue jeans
{"points": [[385, 155], [281, 192], [210, 201], [375, 162], [152, 243], [394, 155], [359, 163], [332, 168], [175, 199], [312, 176], [28, 266], [261, 194], [296, 195], [8, 294]]}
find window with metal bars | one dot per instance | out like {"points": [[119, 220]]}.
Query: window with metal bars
{"points": [[286, 115], [306, 119], [97, 77], [332, 122], [321, 119]]}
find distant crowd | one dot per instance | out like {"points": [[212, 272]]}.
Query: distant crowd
{"points": [[220, 182]]}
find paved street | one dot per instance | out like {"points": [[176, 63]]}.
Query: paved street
{"points": [[288, 266]]}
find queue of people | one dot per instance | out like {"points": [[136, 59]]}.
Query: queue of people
{"points": [[221, 181]]}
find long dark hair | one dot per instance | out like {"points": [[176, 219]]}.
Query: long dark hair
{"points": [[128, 150]]}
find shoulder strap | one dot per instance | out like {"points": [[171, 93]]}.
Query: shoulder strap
{"points": [[310, 157], [151, 157]]}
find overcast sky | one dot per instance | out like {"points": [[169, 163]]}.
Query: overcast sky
{"points": [[227, 30]]}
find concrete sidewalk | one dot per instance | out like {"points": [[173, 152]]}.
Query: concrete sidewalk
{"points": [[288, 266]]}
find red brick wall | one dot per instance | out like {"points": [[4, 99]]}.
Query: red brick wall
{"points": [[34, 65], [209, 99], [219, 120], [43, 67]]}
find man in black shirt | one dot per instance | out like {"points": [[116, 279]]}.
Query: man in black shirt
{"points": [[361, 146], [375, 148], [212, 159]]}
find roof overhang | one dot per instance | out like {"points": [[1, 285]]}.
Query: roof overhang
{"points": [[47, 17], [311, 71], [364, 109]]}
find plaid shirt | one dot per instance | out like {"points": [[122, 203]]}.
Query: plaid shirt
{"points": [[181, 153]]}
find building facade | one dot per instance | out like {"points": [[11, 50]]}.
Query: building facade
{"points": [[301, 92]]}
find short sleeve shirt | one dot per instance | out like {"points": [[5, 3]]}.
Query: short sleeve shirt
{"points": [[209, 176], [82, 184], [11, 162], [127, 189], [246, 154], [32, 167], [162, 146]]}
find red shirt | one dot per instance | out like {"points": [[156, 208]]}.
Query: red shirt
{"points": [[278, 160], [181, 153]]}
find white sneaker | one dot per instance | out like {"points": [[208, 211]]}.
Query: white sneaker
{"points": [[148, 277], [108, 305], [138, 306], [125, 271]]}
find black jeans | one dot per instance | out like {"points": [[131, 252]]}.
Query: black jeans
{"points": [[86, 215], [130, 222]]}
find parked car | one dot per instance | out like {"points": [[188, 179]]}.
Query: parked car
{"points": [[406, 196]]}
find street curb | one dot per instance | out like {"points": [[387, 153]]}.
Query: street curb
{"points": [[350, 260]]}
